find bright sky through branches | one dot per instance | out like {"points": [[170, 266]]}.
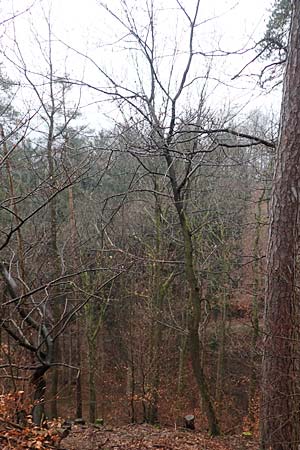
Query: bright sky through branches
{"points": [[85, 27]]}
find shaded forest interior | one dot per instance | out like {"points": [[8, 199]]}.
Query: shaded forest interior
{"points": [[122, 321], [133, 252]]}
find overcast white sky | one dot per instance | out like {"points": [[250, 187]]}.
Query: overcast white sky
{"points": [[84, 25]]}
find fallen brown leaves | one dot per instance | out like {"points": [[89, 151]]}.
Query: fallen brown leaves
{"points": [[145, 437], [14, 436]]}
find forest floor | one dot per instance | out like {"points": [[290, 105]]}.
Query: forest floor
{"points": [[145, 437]]}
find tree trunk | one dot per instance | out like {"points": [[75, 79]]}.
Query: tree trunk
{"points": [[195, 297], [92, 385], [182, 357], [201, 381], [194, 325], [94, 317], [54, 382], [14, 208], [221, 351], [158, 293], [55, 264], [39, 384], [280, 408], [78, 377], [130, 390], [75, 259]]}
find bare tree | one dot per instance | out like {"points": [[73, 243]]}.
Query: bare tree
{"points": [[167, 142]]}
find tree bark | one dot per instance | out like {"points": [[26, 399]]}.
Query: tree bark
{"points": [[39, 384], [195, 298], [159, 289], [221, 351], [92, 384], [280, 408], [78, 377], [54, 258], [195, 322]]}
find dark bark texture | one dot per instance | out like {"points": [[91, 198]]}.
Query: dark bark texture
{"points": [[280, 408]]}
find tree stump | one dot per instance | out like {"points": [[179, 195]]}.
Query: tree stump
{"points": [[79, 421], [189, 422]]}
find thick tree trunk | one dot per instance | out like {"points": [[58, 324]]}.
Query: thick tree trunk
{"points": [[280, 409]]}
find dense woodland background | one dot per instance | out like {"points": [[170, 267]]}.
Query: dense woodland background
{"points": [[133, 255]]}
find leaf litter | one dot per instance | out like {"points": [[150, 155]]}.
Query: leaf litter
{"points": [[145, 437]]}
